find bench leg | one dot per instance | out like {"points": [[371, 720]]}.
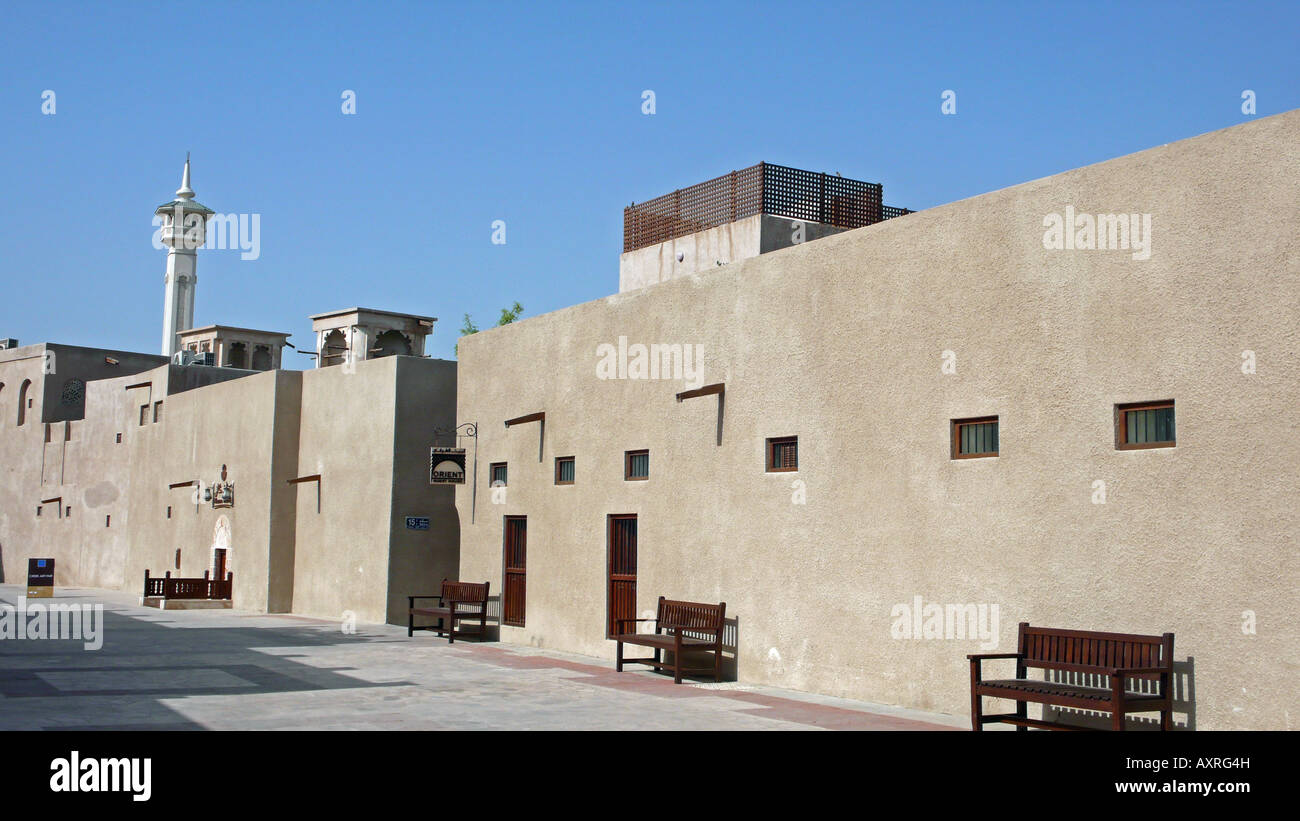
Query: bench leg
{"points": [[976, 709], [677, 661], [410, 625], [1022, 711], [1117, 702], [717, 664], [1166, 720], [618, 659], [451, 630]]}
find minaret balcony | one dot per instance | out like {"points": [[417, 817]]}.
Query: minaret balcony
{"points": [[190, 238]]}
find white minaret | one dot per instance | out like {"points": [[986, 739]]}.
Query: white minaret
{"points": [[184, 229]]}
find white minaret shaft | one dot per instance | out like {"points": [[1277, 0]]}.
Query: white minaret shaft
{"points": [[184, 224], [178, 312]]}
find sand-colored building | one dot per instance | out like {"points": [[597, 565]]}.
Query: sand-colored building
{"points": [[865, 571], [323, 467], [882, 446]]}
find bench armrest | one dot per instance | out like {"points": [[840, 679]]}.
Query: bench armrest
{"points": [[977, 659], [412, 599]]}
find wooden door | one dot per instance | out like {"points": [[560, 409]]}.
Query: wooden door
{"points": [[219, 564], [621, 599], [516, 563]]}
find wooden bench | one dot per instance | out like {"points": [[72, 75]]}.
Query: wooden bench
{"points": [[168, 588], [1120, 656], [680, 626], [457, 601]]}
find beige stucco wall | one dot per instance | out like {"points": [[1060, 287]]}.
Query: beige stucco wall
{"points": [[700, 251], [366, 429], [706, 250], [23, 479], [841, 342], [341, 557], [418, 560], [230, 424]]}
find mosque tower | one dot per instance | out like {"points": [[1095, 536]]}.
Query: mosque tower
{"points": [[184, 229]]}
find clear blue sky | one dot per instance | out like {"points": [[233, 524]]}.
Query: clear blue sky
{"points": [[472, 112]]}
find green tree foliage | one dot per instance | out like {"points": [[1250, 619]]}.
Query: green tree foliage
{"points": [[508, 315]]}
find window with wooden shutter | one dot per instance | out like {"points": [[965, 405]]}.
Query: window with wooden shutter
{"points": [[636, 465], [975, 438], [564, 470], [782, 454], [1143, 425]]}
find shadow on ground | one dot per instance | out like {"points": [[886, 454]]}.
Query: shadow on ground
{"points": [[60, 685]]}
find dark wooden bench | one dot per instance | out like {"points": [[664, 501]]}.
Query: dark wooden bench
{"points": [[167, 587], [680, 626], [457, 601], [1120, 656]]}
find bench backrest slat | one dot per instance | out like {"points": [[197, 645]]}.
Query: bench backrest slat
{"points": [[697, 617], [1085, 651], [468, 592]]}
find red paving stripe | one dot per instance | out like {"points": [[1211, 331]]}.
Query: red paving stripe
{"points": [[823, 715], [646, 685], [772, 707], [592, 674], [505, 658]]}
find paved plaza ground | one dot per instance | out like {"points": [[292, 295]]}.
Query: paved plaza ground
{"points": [[228, 670]]}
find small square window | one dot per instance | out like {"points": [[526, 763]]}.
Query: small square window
{"points": [[38, 511], [169, 511], [67, 511], [157, 410], [1142, 425], [144, 415], [108, 521], [497, 474], [975, 438], [564, 470], [636, 465], [119, 439], [782, 454]]}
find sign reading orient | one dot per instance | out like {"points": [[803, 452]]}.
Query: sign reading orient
{"points": [[446, 466]]}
